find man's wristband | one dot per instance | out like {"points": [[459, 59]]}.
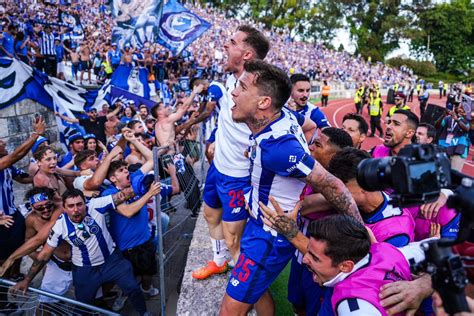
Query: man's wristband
{"points": [[36, 133]]}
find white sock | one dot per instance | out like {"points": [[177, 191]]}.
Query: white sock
{"points": [[219, 249]]}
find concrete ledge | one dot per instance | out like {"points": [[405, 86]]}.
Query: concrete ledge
{"points": [[200, 297]]}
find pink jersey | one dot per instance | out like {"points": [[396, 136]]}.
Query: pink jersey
{"points": [[386, 265], [391, 224], [381, 151], [448, 218], [316, 215]]}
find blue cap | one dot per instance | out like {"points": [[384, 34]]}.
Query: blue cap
{"points": [[90, 136], [141, 184], [88, 109], [38, 142], [74, 137]]}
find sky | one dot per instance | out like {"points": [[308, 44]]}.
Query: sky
{"points": [[343, 37]]}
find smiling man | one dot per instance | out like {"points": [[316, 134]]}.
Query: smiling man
{"points": [[280, 164], [300, 92]]}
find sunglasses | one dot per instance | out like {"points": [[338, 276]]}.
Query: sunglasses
{"points": [[85, 233], [44, 207]]}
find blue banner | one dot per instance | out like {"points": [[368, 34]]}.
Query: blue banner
{"points": [[137, 21], [132, 79], [179, 27], [19, 81], [118, 94]]}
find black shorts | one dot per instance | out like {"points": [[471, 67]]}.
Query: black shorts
{"points": [[12, 238], [84, 65], [143, 258]]}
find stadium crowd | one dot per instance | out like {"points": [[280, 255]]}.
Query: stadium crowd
{"points": [[90, 212]]}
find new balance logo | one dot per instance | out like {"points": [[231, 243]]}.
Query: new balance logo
{"points": [[234, 282], [236, 210], [292, 158]]}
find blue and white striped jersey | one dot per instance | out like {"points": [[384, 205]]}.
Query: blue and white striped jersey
{"points": [[47, 43], [92, 244], [314, 113], [7, 199], [279, 159]]}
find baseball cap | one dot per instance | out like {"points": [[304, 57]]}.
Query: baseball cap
{"points": [[399, 95], [89, 109], [38, 142], [89, 136], [74, 137]]}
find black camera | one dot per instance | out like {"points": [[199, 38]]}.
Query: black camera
{"points": [[416, 175]]}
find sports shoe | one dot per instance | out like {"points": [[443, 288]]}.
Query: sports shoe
{"points": [[119, 303], [152, 291], [211, 269]]}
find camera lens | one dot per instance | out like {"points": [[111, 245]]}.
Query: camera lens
{"points": [[374, 174]]}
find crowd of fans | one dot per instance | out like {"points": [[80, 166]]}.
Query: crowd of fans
{"points": [[90, 48], [93, 209]]}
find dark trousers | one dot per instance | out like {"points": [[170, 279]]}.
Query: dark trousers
{"points": [[440, 93], [117, 269], [324, 100], [422, 107], [375, 124], [50, 65], [358, 106]]}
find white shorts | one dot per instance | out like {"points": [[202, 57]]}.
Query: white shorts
{"points": [[55, 280], [60, 68]]}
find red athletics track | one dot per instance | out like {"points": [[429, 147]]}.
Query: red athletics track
{"points": [[338, 108]]}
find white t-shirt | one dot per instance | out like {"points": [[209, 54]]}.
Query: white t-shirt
{"points": [[232, 139]]}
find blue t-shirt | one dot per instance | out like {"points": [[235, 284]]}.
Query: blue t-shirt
{"points": [[21, 51], [59, 53], [129, 232], [8, 43]]}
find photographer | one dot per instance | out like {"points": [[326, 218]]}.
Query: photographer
{"points": [[454, 136]]}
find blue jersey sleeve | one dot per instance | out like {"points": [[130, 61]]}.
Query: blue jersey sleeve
{"points": [[286, 157], [214, 93], [166, 190], [299, 116], [319, 118], [212, 137]]}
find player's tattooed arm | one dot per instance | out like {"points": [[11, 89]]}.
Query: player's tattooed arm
{"points": [[123, 195], [333, 190]]}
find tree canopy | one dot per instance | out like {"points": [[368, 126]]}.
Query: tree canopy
{"points": [[443, 30]]}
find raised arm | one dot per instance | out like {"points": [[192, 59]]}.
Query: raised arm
{"points": [[309, 128], [186, 104], [114, 112], [93, 183], [22, 150], [128, 210], [66, 118]]}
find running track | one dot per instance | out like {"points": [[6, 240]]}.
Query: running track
{"points": [[338, 108]]}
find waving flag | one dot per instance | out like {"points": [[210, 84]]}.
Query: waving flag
{"points": [[132, 79], [19, 81], [137, 21], [179, 27]]}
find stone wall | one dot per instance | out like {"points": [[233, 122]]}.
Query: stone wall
{"points": [[16, 125]]}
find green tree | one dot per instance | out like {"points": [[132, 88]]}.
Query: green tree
{"points": [[446, 31]]}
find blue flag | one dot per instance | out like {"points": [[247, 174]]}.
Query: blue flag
{"points": [[137, 21], [125, 96], [19, 81], [132, 79], [179, 27]]}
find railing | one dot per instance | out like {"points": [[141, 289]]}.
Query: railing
{"points": [[29, 303]]}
